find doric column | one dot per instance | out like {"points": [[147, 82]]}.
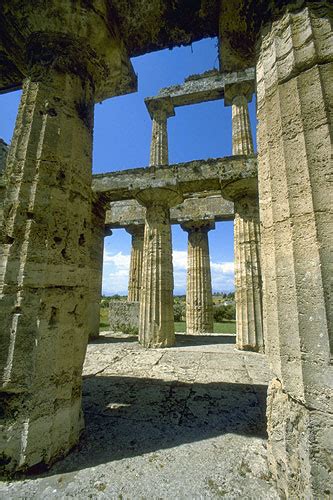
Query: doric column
{"points": [[46, 235], [199, 299], [135, 273], [295, 102], [98, 233], [156, 324], [238, 95], [3, 155], [248, 286], [160, 110]]}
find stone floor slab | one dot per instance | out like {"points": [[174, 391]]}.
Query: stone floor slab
{"points": [[174, 423]]}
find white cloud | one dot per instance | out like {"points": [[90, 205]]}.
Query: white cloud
{"points": [[179, 258], [120, 260], [116, 271]]}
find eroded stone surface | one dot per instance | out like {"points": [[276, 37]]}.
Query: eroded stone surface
{"points": [[135, 272], [294, 85], [124, 316], [156, 324], [199, 299]]}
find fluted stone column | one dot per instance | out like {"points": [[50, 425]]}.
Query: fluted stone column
{"points": [[248, 285], [156, 322], [248, 282], [160, 110], [199, 298], [46, 235], [3, 158], [98, 233], [295, 102], [135, 273]]}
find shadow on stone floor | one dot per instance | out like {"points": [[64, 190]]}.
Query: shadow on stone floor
{"points": [[195, 340], [182, 340], [127, 417], [110, 339]]}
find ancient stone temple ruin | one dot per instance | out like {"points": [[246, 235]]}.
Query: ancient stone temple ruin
{"points": [[54, 214]]}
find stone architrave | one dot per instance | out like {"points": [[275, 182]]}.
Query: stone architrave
{"points": [[156, 322], [248, 285], [295, 102], [160, 111], [46, 233], [98, 232], [199, 298], [135, 273]]}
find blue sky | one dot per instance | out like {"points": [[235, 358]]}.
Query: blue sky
{"points": [[122, 135]]}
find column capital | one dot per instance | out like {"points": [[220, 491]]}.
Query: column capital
{"points": [[64, 40], [160, 106], [165, 197], [136, 230], [202, 226], [241, 89], [107, 230]]}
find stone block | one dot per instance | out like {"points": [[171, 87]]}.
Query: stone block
{"points": [[124, 316]]}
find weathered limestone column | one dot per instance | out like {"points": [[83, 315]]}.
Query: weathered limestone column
{"points": [[238, 95], [135, 274], [46, 235], [248, 283], [295, 103], [98, 233], [160, 110], [199, 298], [156, 323], [3, 158]]}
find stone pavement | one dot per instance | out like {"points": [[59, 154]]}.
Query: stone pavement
{"points": [[184, 422]]}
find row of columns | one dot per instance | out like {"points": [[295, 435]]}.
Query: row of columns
{"points": [[46, 233], [199, 302], [150, 278], [248, 283]]}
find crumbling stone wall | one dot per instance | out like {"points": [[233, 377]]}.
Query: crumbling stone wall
{"points": [[124, 316]]}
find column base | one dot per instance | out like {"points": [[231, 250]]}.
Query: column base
{"points": [[298, 446], [156, 344], [251, 348], [37, 440]]}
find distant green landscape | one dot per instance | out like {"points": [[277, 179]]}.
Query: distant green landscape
{"points": [[225, 327], [224, 313]]}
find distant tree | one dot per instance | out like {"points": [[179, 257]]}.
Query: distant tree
{"points": [[179, 310], [223, 313]]}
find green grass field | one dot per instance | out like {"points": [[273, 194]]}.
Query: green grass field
{"points": [[104, 319], [226, 327]]}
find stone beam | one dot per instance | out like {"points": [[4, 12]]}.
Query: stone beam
{"points": [[208, 86], [219, 174], [123, 214]]}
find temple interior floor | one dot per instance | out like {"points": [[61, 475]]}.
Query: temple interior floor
{"points": [[183, 422]]}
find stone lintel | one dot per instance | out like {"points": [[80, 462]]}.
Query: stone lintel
{"points": [[128, 213], [188, 178], [202, 88]]}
